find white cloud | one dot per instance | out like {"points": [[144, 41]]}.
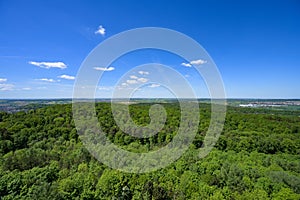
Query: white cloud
{"points": [[133, 77], [67, 77], [143, 72], [194, 62], [3, 80], [143, 80], [6, 87], [104, 68], [132, 81], [26, 88], [106, 88], [198, 62], [100, 30], [154, 85], [41, 88], [49, 65], [47, 80], [186, 64], [135, 80]]}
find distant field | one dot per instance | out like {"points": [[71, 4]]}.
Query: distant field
{"points": [[15, 105]]}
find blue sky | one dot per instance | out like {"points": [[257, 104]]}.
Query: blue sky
{"points": [[255, 44]]}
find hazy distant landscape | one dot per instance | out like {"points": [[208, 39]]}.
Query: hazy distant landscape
{"points": [[15, 105]]}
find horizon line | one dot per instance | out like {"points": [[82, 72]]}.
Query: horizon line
{"points": [[151, 98]]}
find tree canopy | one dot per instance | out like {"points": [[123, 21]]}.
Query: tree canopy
{"points": [[256, 157]]}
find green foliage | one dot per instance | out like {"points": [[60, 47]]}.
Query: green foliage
{"points": [[256, 157]]}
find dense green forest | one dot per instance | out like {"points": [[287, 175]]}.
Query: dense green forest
{"points": [[257, 157]]}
